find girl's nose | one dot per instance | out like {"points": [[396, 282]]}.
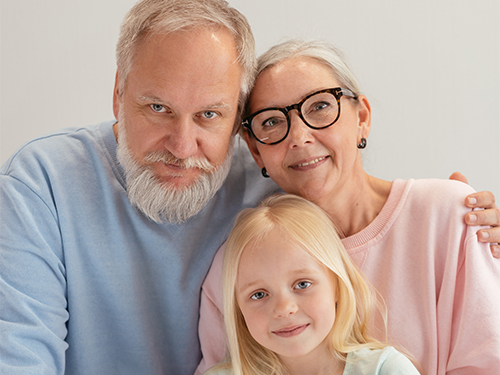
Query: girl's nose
{"points": [[285, 306]]}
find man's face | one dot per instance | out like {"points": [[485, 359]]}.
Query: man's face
{"points": [[181, 97], [178, 107]]}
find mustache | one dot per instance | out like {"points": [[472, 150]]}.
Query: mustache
{"points": [[167, 158]]}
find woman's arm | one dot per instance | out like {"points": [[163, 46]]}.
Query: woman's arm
{"points": [[211, 325]]}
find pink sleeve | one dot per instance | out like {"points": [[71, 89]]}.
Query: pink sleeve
{"points": [[211, 326], [475, 336]]}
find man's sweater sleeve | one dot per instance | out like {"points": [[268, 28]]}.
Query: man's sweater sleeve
{"points": [[33, 306]]}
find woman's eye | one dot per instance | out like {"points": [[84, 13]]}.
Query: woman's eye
{"points": [[269, 123], [320, 105], [272, 122], [209, 114], [157, 108], [258, 295], [303, 285]]}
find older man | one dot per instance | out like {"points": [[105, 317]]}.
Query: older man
{"points": [[105, 245], [107, 232]]}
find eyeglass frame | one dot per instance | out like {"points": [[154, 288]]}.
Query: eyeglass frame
{"points": [[337, 92]]}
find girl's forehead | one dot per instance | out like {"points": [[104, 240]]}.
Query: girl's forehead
{"points": [[276, 248]]}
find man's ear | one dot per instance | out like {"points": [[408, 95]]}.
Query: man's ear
{"points": [[364, 117], [252, 146], [117, 96]]}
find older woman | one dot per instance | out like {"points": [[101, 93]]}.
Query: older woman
{"points": [[306, 127]]}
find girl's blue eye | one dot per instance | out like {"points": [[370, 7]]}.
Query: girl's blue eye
{"points": [[258, 295], [303, 285]]}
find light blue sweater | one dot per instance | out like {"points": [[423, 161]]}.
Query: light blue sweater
{"points": [[88, 285]]}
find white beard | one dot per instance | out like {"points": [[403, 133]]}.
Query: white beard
{"points": [[160, 201]]}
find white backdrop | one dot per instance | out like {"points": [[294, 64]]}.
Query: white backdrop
{"points": [[431, 69]]}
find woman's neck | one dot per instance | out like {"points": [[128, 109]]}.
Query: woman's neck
{"points": [[357, 204]]}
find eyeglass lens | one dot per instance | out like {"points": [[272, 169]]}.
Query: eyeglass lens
{"points": [[318, 111]]}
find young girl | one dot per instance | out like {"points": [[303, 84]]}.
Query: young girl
{"points": [[294, 303]]}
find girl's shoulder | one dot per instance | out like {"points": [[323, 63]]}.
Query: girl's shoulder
{"points": [[219, 370], [379, 362]]}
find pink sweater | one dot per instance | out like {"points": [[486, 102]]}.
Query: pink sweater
{"points": [[441, 286]]}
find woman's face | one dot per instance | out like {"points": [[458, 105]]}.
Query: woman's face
{"points": [[308, 162]]}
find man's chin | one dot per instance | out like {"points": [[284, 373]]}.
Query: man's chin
{"points": [[165, 193]]}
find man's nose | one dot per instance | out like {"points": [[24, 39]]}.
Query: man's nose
{"points": [[181, 139]]}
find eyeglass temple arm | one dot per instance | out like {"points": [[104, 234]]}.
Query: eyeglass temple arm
{"points": [[348, 92]]}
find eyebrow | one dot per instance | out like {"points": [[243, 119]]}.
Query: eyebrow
{"points": [[147, 98], [302, 271], [220, 105], [302, 98]]}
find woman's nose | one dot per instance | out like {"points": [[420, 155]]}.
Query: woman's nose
{"points": [[300, 133]]}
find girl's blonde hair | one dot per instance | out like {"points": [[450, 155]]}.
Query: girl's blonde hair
{"points": [[311, 228]]}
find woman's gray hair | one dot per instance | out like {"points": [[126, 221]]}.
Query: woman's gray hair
{"points": [[150, 17], [320, 51]]}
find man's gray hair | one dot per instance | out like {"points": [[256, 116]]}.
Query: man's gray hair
{"points": [[150, 17]]}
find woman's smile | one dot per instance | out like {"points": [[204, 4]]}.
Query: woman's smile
{"points": [[308, 164]]}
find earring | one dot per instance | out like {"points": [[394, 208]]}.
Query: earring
{"points": [[362, 144], [264, 172]]}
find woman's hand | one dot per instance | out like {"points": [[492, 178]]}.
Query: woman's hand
{"points": [[490, 216]]}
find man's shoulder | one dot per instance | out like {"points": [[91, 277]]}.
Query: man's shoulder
{"points": [[54, 148]]}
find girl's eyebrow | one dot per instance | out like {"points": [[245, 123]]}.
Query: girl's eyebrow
{"points": [[305, 271], [250, 285], [299, 272]]}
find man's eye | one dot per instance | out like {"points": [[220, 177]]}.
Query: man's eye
{"points": [[303, 285], [209, 114], [158, 108], [258, 295]]}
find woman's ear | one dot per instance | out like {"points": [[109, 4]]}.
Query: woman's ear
{"points": [[117, 97], [364, 116], [252, 146]]}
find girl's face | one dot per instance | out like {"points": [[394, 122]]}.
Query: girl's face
{"points": [[310, 163], [286, 297]]}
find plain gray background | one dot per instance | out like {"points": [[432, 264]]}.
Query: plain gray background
{"points": [[430, 68]]}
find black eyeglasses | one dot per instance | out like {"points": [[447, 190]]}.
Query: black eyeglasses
{"points": [[318, 110]]}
